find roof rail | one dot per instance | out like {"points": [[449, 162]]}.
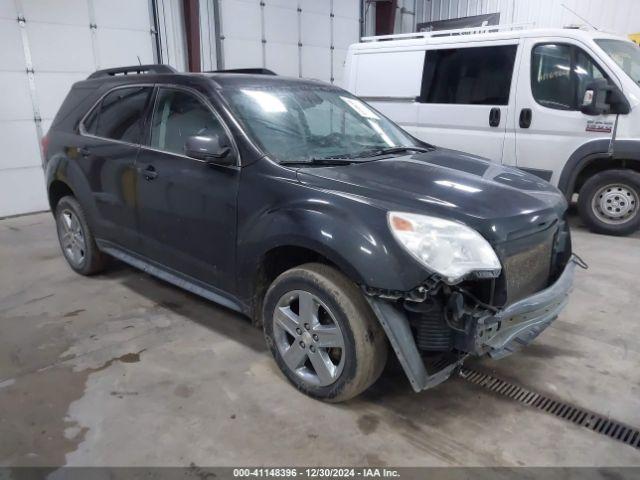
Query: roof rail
{"points": [[448, 33], [138, 69], [254, 71]]}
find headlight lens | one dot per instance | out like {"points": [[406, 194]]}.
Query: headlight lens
{"points": [[448, 248]]}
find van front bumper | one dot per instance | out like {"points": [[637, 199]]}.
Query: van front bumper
{"points": [[498, 334]]}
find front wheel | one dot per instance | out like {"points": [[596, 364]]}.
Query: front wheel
{"points": [[322, 333], [609, 202]]}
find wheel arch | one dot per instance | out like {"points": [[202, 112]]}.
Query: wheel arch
{"points": [[58, 189], [594, 157], [277, 259], [64, 176], [351, 236]]}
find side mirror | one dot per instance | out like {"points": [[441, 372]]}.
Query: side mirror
{"points": [[600, 98], [209, 149]]}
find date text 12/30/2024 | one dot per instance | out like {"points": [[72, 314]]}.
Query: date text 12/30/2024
{"points": [[316, 473]]}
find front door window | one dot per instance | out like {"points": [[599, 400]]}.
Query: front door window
{"points": [[560, 74], [177, 116]]}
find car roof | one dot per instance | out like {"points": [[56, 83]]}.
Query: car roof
{"points": [[245, 80], [219, 80], [451, 37]]}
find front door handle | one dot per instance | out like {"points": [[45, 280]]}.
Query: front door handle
{"points": [[494, 117], [150, 173], [525, 117], [84, 151]]}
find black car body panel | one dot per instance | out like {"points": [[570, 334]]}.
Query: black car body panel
{"points": [[209, 228], [495, 200]]}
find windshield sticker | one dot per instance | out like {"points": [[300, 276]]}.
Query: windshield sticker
{"points": [[599, 126]]}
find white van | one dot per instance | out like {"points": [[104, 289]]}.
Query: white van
{"points": [[561, 103]]}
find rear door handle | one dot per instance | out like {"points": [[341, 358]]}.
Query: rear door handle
{"points": [[494, 117], [525, 117], [84, 151], [150, 173]]}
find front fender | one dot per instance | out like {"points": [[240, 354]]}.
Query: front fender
{"points": [[350, 232]]}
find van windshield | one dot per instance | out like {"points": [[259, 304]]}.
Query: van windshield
{"points": [[302, 122], [625, 54]]}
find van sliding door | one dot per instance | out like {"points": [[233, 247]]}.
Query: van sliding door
{"points": [[464, 98]]}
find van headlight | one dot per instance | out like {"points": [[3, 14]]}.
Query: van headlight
{"points": [[448, 248]]}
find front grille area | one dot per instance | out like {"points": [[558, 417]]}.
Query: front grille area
{"points": [[527, 265], [528, 272]]}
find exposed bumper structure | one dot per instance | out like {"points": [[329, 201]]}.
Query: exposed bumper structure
{"points": [[497, 334], [517, 325]]}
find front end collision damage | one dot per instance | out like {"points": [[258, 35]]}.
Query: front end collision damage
{"points": [[496, 332]]}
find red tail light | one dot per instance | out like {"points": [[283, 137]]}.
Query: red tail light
{"points": [[44, 143]]}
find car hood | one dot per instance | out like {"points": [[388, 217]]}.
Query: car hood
{"points": [[497, 201]]}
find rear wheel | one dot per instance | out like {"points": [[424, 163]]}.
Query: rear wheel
{"points": [[322, 333], [609, 202], [76, 240]]}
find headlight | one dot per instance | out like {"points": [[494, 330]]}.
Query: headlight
{"points": [[448, 248]]}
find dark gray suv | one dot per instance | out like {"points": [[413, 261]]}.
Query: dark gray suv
{"points": [[299, 205]]}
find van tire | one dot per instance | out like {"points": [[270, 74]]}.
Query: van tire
{"points": [[364, 342], [92, 260], [624, 195]]}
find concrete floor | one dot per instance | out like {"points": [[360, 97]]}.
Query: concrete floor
{"points": [[122, 369]]}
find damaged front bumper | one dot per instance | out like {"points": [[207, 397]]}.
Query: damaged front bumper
{"points": [[498, 334], [519, 324]]}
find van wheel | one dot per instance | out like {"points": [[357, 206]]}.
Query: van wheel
{"points": [[322, 333], [76, 240], [609, 202]]}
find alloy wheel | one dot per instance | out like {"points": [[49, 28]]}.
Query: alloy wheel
{"points": [[308, 338], [72, 237]]}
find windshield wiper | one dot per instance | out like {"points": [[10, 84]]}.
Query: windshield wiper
{"points": [[347, 158], [392, 150], [321, 161]]}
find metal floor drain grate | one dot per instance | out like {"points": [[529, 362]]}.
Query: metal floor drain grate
{"points": [[580, 416]]}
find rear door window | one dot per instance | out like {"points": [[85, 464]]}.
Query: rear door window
{"points": [[468, 76], [119, 115], [559, 75]]}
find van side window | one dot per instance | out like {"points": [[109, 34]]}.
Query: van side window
{"points": [[119, 115], [559, 75], [468, 76], [178, 115]]}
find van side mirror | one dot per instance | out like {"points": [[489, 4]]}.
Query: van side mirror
{"points": [[601, 97], [208, 149]]}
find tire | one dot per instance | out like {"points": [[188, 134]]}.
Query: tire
{"points": [[337, 301], [71, 223], [609, 202]]}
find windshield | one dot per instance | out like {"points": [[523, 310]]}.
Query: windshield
{"points": [[302, 122], [625, 54]]}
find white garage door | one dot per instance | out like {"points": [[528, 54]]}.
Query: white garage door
{"points": [[299, 38], [45, 46]]}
